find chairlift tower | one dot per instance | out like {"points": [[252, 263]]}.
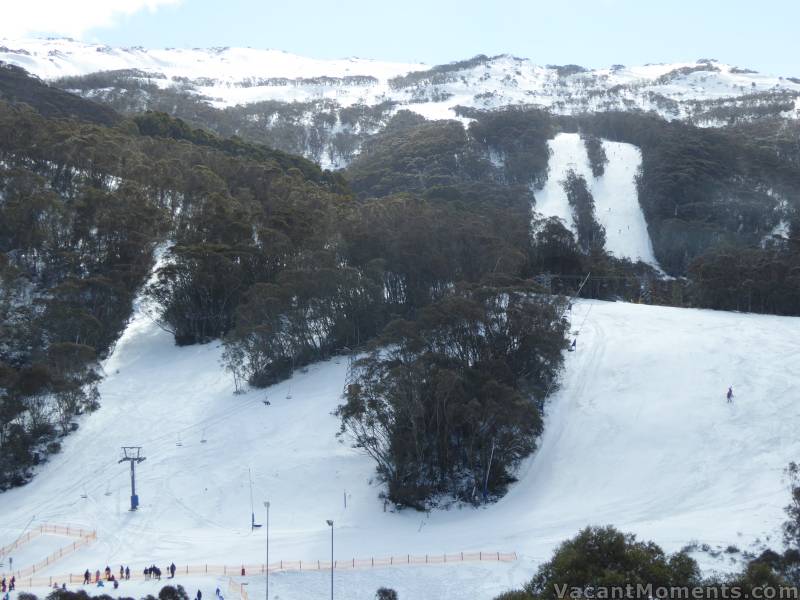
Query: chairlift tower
{"points": [[133, 455]]}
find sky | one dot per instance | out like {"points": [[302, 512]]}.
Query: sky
{"points": [[594, 33]]}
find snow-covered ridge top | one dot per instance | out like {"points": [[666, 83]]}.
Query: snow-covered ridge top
{"points": [[234, 76], [52, 58]]}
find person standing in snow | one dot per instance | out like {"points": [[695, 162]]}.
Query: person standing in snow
{"points": [[730, 394], [12, 584], [127, 573], [199, 595], [172, 571]]}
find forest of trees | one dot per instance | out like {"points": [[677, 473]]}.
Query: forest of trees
{"points": [[265, 251], [447, 405], [82, 207], [287, 263]]}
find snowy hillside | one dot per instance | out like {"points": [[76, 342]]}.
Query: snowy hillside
{"points": [[639, 435], [615, 195], [232, 76]]}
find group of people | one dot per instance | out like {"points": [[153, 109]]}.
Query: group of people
{"points": [[8, 586], [153, 572], [124, 573]]}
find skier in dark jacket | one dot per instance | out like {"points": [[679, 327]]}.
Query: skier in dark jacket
{"points": [[729, 395], [172, 571]]}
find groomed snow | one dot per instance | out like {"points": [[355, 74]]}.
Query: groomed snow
{"points": [[639, 435], [616, 197]]}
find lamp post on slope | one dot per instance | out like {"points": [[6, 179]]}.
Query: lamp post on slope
{"points": [[330, 523], [266, 568]]}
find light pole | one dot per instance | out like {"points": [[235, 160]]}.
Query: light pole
{"points": [[330, 523], [266, 568]]}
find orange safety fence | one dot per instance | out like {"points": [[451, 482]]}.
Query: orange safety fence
{"points": [[84, 538], [292, 565]]}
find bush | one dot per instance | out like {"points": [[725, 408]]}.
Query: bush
{"points": [[606, 557]]}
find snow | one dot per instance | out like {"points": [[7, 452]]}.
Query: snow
{"points": [[616, 197], [498, 81], [639, 435]]}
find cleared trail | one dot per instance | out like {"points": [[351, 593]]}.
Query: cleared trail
{"points": [[615, 194]]}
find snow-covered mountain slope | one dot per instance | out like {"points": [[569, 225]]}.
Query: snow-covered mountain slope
{"points": [[616, 198], [639, 435], [231, 76]]}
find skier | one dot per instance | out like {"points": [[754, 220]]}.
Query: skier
{"points": [[199, 595], [573, 346], [87, 577], [172, 571], [730, 394], [97, 575], [127, 573], [12, 584], [3, 585], [121, 572]]}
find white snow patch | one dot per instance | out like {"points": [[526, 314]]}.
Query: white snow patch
{"points": [[616, 197]]}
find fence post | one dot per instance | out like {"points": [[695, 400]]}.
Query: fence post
{"points": [[408, 558], [498, 557], [426, 559], [480, 555], [301, 565], [373, 561], [206, 568], [462, 557], [445, 557], [354, 562]]}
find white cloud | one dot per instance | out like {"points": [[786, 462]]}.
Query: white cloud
{"points": [[72, 18]]}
